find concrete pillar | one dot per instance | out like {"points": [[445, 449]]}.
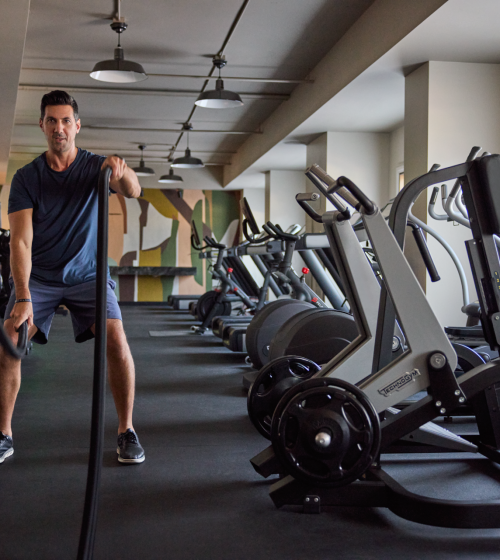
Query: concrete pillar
{"points": [[449, 108]]}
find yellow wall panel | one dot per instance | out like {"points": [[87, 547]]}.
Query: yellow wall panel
{"points": [[161, 203], [149, 289]]}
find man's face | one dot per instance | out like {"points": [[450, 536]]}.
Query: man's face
{"points": [[60, 127]]}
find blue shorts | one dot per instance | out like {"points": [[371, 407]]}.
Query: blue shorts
{"points": [[79, 299]]}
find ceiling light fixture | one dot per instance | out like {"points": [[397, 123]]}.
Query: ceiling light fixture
{"points": [[170, 178], [219, 98], [188, 161], [118, 70], [142, 170]]}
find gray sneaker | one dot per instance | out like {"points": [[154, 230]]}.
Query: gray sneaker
{"points": [[129, 449], [6, 447]]}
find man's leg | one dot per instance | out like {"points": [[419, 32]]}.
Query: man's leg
{"points": [[10, 379], [121, 373]]}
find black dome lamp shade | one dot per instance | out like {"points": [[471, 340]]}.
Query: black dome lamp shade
{"points": [[141, 170], [118, 70], [219, 98], [188, 161], [170, 178]]}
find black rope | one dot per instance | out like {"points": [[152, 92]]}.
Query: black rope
{"points": [[89, 522]]}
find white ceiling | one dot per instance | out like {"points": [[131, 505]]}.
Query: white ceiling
{"points": [[282, 39], [459, 31]]}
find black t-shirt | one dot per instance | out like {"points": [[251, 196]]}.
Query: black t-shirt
{"points": [[64, 203]]}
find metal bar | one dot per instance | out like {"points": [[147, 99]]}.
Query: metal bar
{"points": [[136, 129], [331, 291], [189, 76], [130, 159], [135, 91], [44, 148]]}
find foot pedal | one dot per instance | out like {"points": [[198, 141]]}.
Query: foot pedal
{"points": [[432, 434]]}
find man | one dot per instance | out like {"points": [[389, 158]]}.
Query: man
{"points": [[53, 221]]}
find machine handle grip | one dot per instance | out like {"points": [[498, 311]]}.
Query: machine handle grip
{"points": [[250, 238], [368, 206], [434, 195], [302, 199], [319, 183], [278, 232], [419, 237]]}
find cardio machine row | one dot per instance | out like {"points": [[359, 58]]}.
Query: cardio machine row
{"points": [[330, 424]]}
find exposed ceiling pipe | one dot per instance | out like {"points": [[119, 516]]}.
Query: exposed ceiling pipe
{"points": [[117, 149], [130, 158], [189, 76], [212, 70], [136, 129], [136, 91]]}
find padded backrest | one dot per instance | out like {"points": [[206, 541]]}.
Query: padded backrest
{"points": [[489, 170]]}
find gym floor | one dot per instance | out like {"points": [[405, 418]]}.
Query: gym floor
{"points": [[196, 496]]}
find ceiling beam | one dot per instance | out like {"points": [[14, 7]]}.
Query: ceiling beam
{"points": [[14, 26], [380, 28]]}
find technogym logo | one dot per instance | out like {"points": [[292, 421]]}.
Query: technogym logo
{"points": [[399, 383]]}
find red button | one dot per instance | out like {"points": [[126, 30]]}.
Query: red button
{"points": [[230, 270], [305, 270], [314, 299]]}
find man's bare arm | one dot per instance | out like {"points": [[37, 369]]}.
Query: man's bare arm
{"points": [[21, 239], [123, 179]]}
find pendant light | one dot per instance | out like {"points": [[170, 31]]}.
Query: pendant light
{"points": [[170, 178], [219, 98], [188, 161], [118, 70], [141, 170]]}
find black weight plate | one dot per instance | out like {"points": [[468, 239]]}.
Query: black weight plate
{"points": [[317, 334], [265, 325], [322, 408], [206, 303], [272, 382]]}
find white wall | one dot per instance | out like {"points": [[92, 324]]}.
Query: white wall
{"points": [[363, 157], [463, 111]]}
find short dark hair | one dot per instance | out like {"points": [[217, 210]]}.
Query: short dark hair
{"points": [[58, 97]]}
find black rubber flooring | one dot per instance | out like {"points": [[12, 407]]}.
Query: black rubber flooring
{"points": [[196, 496]]}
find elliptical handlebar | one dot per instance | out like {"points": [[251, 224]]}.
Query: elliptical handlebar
{"points": [[432, 203], [419, 237]]}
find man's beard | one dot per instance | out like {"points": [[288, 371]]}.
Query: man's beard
{"points": [[60, 146]]}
